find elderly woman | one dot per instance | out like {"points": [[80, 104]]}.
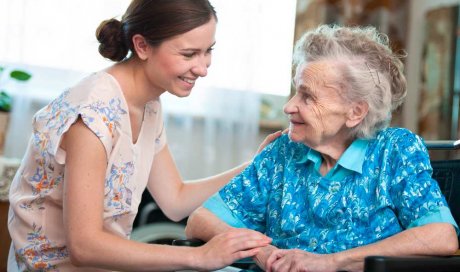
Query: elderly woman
{"points": [[342, 185]]}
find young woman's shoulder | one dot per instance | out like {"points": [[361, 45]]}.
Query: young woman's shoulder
{"points": [[96, 86]]}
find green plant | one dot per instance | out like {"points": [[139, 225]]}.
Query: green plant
{"points": [[5, 98]]}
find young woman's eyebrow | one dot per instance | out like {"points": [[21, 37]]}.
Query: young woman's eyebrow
{"points": [[196, 49]]}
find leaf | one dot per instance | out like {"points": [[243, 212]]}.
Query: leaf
{"points": [[1, 69], [5, 102], [20, 75]]}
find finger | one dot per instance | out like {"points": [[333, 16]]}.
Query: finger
{"points": [[247, 234], [275, 255], [251, 244], [282, 264], [274, 135], [240, 244], [246, 239], [246, 253], [285, 131]]}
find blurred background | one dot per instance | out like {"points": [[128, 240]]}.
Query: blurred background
{"points": [[230, 111]]}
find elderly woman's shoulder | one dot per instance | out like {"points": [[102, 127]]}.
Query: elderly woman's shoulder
{"points": [[399, 137], [284, 143], [392, 132]]}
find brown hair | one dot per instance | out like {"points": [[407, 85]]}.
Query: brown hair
{"points": [[155, 20]]}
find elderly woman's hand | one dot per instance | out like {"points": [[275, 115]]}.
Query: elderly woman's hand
{"points": [[262, 256], [299, 260]]}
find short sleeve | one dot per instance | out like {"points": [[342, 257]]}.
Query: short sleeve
{"points": [[247, 195], [53, 121], [416, 196], [217, 206]]}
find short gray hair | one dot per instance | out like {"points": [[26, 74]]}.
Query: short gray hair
{"points": [[370, 70]]}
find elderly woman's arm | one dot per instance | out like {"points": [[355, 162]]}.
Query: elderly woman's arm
{"points": [[203, 224], [430, 239]]}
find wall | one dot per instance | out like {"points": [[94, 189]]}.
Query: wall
{"points": [[418, 8]]}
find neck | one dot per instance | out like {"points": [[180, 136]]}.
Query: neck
{"points": [[134, 83], [331, 152]]}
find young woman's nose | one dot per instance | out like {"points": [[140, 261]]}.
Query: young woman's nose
{"points": [[201, 66]]}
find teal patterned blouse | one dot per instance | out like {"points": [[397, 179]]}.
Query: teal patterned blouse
{"points": [[378, 188]]}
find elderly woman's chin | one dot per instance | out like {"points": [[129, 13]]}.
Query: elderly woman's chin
{"points": [[294, 135]]}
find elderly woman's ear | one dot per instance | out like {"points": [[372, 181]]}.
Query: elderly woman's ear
{"points": [[357, 113]]}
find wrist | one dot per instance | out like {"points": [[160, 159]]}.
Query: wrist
{"points": [[261, 257], [341, 261], [194, 258]]}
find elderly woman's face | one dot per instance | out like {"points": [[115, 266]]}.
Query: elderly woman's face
{"points": [[317, 113]]}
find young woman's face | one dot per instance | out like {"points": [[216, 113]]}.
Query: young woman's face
{"points": [[177, 63], [317, 112]]}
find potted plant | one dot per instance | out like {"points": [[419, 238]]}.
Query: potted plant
{"points": [[6, 101]]}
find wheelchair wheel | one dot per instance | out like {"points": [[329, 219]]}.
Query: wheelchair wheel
{"points": [[158, 233]]}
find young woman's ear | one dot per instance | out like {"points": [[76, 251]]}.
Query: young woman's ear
{"points": [[357, 114], [141, 47]]}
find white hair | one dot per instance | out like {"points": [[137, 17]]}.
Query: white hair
{"points": [[369, 70]]}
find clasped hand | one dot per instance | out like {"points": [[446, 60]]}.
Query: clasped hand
{"points": [[230, 246], [272, 259]]}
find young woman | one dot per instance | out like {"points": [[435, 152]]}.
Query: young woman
{"points": [[102, 142]]}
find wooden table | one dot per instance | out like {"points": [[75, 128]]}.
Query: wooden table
{"points": [[4, 235], [8, 168]]}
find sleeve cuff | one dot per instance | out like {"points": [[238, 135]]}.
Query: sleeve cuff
{"points": [[217, 206], [443, 215]]}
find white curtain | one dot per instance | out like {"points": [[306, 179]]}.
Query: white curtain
{"points": [[212, 130]]}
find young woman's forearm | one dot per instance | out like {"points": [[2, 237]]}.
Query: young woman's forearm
{"points": [[99, 251], [194, 192]]}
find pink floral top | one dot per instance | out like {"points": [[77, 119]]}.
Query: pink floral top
{"points": [[36, 217]]}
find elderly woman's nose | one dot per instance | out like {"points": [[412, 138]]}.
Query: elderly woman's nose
{"points": [[289, 107]]}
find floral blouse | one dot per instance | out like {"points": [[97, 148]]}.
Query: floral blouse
{"points": [[283, 195], [36, 216]]}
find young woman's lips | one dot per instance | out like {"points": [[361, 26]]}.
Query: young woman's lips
{"points": [[188, 80]]}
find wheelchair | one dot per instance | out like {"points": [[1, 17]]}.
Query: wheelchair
{"points": [[153, 227], [445, 172]]}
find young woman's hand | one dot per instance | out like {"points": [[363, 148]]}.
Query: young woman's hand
{"points": [[226, 248], [270, 138]]}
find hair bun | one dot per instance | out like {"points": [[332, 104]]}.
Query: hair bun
{"points": [[110, 36]]}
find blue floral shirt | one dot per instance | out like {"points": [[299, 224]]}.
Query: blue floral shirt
{"points": [[378, 188]]}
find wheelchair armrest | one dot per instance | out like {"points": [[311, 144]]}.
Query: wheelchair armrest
{"points": [[188, 242], [414, 263]]}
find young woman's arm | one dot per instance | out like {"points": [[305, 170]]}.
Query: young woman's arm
{"points": [[178, 199], [90, 245]]}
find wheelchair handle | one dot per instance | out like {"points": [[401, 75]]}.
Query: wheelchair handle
{"points": [[443, 144]]}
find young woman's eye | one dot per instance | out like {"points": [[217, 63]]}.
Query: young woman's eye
{"points": [[209, 50], [188, 55]]}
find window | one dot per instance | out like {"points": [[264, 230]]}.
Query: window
{"points": [[253, 50]]}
